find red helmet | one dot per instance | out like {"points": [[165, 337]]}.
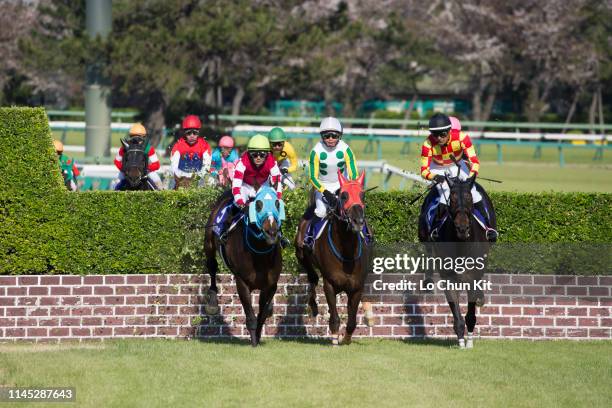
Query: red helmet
{"points": [[191, 122]]}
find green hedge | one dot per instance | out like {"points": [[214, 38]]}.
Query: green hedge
{"points": [[45, 229]]}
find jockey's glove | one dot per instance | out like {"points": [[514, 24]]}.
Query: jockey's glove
{"points": [[330, 198], [284, 170], [439, 179]]}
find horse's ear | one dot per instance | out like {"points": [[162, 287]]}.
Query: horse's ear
{"points": [[341, 178], [361, 178], [125, 144]]}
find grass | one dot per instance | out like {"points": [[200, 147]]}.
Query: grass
{"points": [[310, 373]]}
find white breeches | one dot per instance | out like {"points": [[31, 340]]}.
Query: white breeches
{"points": [[451, 171]]}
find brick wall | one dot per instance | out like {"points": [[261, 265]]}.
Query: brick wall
{"points": [[56, 308]]}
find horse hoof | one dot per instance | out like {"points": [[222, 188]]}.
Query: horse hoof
{"points": [[335, 340], [346, 340], [462, 344], [211, 310], [469, 344], [211, 306]]}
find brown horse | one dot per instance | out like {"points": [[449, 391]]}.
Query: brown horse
{"points": [[252, 253], [341, 255], [460, 238]]}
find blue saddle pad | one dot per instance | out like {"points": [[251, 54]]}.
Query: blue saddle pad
{"points": [[219, 223]]}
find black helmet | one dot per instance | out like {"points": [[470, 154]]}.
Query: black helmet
{"points": [[439, 123]]}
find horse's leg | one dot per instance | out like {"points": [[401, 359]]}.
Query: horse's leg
{"points": [[265, 308], [245, 298], [352, 305], [313, 278], [334, 319], [452, 296], [212, 303], [470, 321]]}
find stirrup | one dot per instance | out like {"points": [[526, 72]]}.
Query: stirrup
{"points": [[284, 242], [492, 234], [434, 234], [308, 242]]}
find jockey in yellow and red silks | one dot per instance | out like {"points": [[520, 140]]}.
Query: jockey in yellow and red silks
{"points": [[444, 144]]}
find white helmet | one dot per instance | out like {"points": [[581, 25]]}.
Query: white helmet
{"points": [[330, 124]]}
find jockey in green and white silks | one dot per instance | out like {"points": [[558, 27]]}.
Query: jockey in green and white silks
{"points": [[326, 158]]}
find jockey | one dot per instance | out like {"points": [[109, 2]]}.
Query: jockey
{"points": [[67, 165], [138, 130], [191, 154], [284, 154], [328, 156], [443, 142], [255, 167], [223, 154]]}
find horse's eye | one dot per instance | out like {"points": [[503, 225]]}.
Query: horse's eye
{"points": [[344, 196], [258, 205]]}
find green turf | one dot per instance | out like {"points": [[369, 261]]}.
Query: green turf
{"points": [[313, 374]]}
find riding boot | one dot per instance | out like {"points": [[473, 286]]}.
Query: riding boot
{"points": [[227, 223], [491, 232], [442, 210], [309, 237]]}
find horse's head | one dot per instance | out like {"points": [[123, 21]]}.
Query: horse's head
{"points": [[351, 204], [461, 206], [267, 212], [134, 160]]}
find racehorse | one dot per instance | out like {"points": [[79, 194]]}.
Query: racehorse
{"points": [[134, 166], [341, 255], [461, 236], [252, 253]]}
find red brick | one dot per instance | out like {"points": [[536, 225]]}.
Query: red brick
{"points": [[38, 291], [402, 331], [60, 290], [498, 279], [189, 290], [14, 332], [157, 279], [489, 310], [606, 322], [179, 300], [125, 310], [532, 311], [599, 311], [136, 279], [102, 311], [382, 331], [5, 322], [114, 300], [190, 310], [73, 300], [82, 290], [41, 311], [146, 290], [103, 331], [577, 311], [91, 321], [577, 332], [137, 320], [16, 291], [511, 290], [576, 291], [8, 281], [49, 322], [167, 310], [72, 280], [49, 301], [565, 280], [599, 291], [565, 321], [27, 301], [59, 311], [93, 280], [125, 290], [25, 322], [92, 300], [592, 322], [103, 290], [554, 332], [605, 301], [543, 321], [543, 280], [521, 321], [554, 311], [500, 300], [596, 333], [114, 280], [533, 290], [533, 332], [543, 300], [157, 300], [522, 279], [156, 320], [113, 321], [510, 310], [522, 300], [146, 310], [167, 331], [179, 321], [81, 311], [15, 311], [565, 301], [487, 331], [511, 331], [587, 301], [124, 331], [80, 331], [554, 290], [49, 280], [500, 321], [135, 300], [7, 301], [587, 280], [603, 280], [37, 332], [445, 331], [27, 280], [70, 321]]}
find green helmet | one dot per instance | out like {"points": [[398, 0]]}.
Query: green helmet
{"points": [[258, 142], [277, 135]]}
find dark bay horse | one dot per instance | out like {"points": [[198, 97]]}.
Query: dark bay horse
{"points": [[461, 237], [135, 162], [341, 255], [252, 253]]}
